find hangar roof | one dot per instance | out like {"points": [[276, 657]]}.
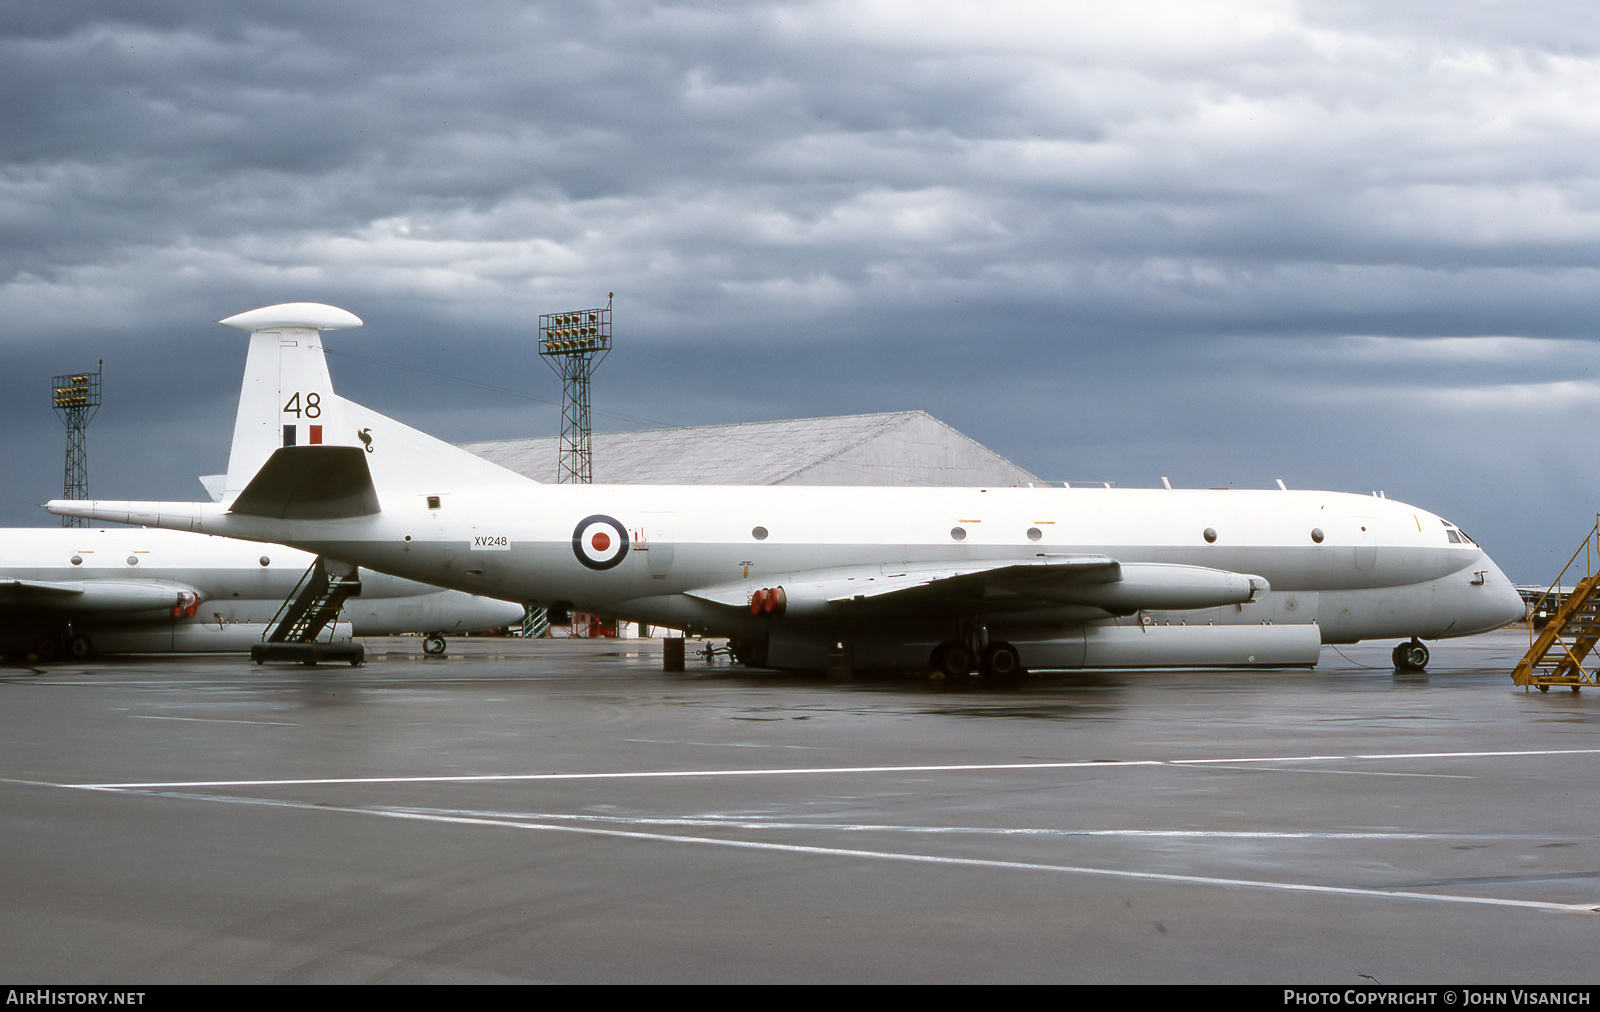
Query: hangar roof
{"points": [[893, 448]]}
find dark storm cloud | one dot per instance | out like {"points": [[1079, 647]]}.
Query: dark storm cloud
{"points": [[1347, 244]]}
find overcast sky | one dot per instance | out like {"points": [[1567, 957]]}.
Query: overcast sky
{"points": [[1351, 245]]}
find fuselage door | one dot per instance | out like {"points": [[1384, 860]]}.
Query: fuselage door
{"points": [[656, 539], [1361, 536]]}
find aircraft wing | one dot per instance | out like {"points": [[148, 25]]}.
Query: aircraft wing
{"points": [[38, 591], [854, 583], [94, 595], [1094, 580]]}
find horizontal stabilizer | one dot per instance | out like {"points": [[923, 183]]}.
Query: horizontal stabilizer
{"points": [[177, 516], [310, 483]]}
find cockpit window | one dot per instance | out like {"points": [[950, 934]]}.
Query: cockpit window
{"points": [[1455, 539]]}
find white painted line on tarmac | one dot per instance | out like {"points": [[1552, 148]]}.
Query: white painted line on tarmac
{"points": [[902, 857], [473, 778], [1346, 773], [1392, 755], [823, 770], [213, 720], [758, 823]]}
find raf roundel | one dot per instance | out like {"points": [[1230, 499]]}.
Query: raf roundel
{"points": [[599, 542]]}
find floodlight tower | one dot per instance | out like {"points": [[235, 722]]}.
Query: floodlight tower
{"points": [[573, 344], [76, 399]]}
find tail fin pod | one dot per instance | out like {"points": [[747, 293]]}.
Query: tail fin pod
{"points": [[287, 398]]}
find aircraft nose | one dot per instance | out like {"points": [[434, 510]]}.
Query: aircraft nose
{"points": [[1501, 604], [1512, 607]]}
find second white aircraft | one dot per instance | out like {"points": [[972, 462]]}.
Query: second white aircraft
{"points": [[76, 592], [961, 579]]}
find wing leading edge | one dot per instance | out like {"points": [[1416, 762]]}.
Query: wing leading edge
{"points": [[1096, 581], [94, 595]]}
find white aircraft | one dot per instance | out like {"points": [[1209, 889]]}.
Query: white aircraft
{"points": [[81, 591], [960, 579]]}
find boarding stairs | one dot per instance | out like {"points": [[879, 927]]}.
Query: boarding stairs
{"points": [[536, 623], [312, 607], [1558, 654]]}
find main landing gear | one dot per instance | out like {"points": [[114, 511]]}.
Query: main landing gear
{"points": [[997, 662], [434, 645], [1410, 656], [52, 646]]}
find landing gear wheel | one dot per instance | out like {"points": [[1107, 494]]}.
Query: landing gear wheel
{"points": [[80, 647], [1410, 656], [952, 661], [1001, 664], [47, 647], [750, 653], [433, 646]]}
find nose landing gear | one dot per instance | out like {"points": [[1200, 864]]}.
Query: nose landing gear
{"points": [[1410, 656]]}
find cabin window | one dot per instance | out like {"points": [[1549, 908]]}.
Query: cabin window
{"points": [[1034, 534], [266, 561], [759, 533], [958, 534], [133, 560], [1317, 535], [1210, 534], [77, 560]]}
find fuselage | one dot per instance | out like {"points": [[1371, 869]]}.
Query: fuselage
{"points": [[1359, 566]]}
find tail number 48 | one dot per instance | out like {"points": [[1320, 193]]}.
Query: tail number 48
{"points": [[309, 406]]}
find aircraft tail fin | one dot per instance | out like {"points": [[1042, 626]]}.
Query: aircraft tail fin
{"points": [[287, 403], [287, 398]]}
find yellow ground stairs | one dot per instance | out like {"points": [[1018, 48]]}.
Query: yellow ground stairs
{"points": [[1559, 652]]}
